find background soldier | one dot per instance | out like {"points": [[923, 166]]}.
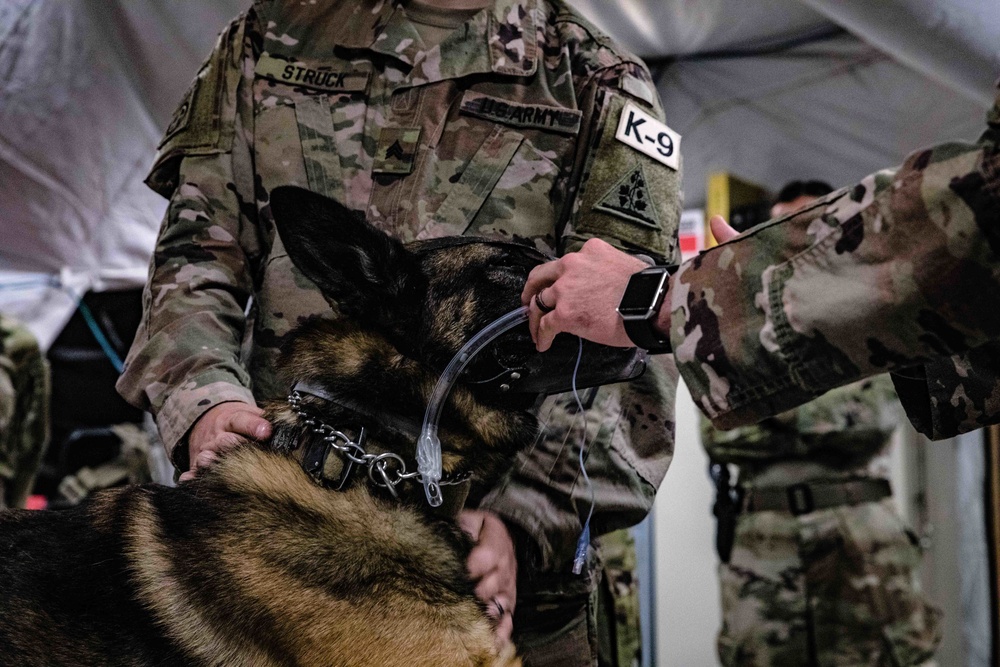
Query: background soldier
{"points": [[24, 406], [816, 566], [619, 629]]}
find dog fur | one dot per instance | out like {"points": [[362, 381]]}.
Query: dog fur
{"points": [[255, 563]]}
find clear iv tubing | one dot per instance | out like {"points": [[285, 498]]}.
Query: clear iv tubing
{"points": [[429, 446]]}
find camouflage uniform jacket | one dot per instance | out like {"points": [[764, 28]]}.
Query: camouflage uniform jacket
{"points": [[24, 411], [834, 436], [895, 273], [506, 129]]}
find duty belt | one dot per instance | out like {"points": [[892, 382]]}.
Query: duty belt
{"points": [[799, 499]]}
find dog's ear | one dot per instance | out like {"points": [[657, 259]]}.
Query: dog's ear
{"points": [[369, 274]]}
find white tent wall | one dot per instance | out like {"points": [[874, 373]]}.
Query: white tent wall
{"points": [[834, 111], [85, 90], [953, 42]]}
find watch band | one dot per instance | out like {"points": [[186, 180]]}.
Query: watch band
{"points": [[642, 333]]}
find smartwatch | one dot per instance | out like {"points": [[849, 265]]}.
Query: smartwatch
{"points": [[640, 307]]}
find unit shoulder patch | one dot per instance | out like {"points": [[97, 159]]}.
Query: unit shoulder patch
{"points": [[629, 198], [624, 193]]}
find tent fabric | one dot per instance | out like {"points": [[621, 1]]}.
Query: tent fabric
{"points": [[834, 111], [86, 88], [662, 28], [953, 42]]}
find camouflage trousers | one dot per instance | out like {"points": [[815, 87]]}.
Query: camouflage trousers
{"points": [[24, 403], [579, 621], [619, 639], [831, 588], [555, 622]]}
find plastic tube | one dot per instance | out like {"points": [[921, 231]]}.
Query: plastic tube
{"points": [[429, 446]]}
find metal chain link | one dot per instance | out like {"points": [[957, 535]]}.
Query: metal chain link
{"points": [[386, 470]]}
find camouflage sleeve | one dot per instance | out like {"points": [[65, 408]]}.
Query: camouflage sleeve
{"points": [[952, 395], [883, 276], [186, 354], [627, 429]]}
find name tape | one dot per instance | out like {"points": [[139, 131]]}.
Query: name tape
{"points": [[300, 74], [638, 129]]}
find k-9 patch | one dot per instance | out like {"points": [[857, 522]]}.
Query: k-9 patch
{"points": [[641, 131]]}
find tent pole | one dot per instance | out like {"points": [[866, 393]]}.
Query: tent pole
{"points": [[991, 499]]}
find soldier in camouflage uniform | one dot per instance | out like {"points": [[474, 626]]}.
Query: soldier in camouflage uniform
{"points": [[896, 273], [889, 274], [24, 411], [818, 465], [500, 124], [821, 570]]}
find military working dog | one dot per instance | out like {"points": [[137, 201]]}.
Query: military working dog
{"points": [[318, 548]]}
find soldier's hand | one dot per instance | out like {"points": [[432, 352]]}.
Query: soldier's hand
{"points": [[580, 293], [221, 428], [492, 565]]}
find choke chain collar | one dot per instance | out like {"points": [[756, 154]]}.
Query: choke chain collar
{"points": [[386, 470]]}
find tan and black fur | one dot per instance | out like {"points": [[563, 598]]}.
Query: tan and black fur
{"points": [[254, 562]]}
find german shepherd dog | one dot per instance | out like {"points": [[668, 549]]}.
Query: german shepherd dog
{"points": [[258, 561]]}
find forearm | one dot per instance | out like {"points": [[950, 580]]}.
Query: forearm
{"points": [[883, 276], [185, 358]]}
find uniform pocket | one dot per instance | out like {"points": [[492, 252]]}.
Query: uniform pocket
{"points": [[494, 170], [505, 191]]}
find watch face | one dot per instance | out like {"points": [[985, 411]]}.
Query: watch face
{"points": [[642, 289]]}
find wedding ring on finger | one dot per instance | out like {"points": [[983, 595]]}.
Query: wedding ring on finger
{"points": [[500, 610], [542, 306]]}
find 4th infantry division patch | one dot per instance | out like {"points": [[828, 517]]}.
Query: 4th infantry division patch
{"points": [[629, 199]]}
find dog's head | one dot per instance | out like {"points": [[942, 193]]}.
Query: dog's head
{"points": [[406, 310], [426, 298]]}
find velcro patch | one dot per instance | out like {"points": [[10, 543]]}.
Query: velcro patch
{"points": [[637, 88], [519, 114], [641, 131], [318, 78], [396, 150], [182, 115]]}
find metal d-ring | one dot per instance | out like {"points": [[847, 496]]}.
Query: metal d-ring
{"points": [[381, 464]]}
